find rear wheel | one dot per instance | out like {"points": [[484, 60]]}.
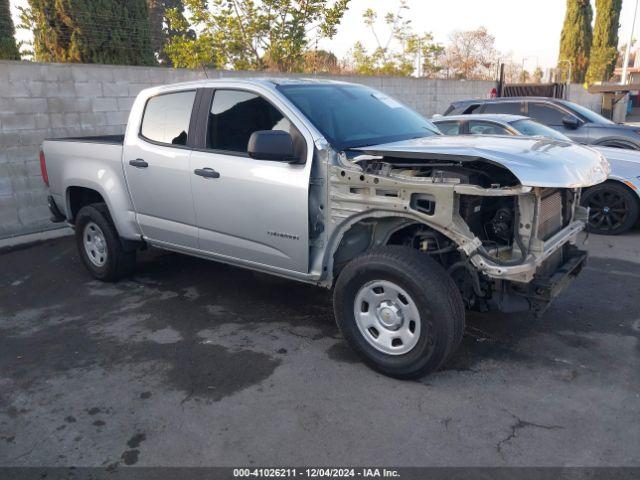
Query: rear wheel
{"points": [[400, 311], [101, 249], [613, 209]]}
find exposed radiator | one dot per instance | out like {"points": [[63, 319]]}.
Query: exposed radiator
{"points": [[550, 214]]}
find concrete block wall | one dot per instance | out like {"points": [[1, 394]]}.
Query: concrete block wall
{"points": [[40, 100], [578, 94], [58, 100]]}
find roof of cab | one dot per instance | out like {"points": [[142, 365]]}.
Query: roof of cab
{"points": [[509, 99], [264, 81]]}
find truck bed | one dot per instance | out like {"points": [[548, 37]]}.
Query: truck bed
{"points": [[109, 139], [93, 162]]}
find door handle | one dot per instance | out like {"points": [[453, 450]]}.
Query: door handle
{"points": [[138, 163], [206, 173]]}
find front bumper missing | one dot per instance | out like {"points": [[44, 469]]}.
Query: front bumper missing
{"points": [[545, 289], [525, 272], [542, 290]]}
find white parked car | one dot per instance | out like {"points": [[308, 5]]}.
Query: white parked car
{"points": [[614, 206]]}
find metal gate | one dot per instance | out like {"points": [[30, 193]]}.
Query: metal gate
{"points": [[551, 90]]}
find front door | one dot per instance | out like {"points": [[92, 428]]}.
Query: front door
{"points": [[158, 173], [552, 116], [252, 210]]}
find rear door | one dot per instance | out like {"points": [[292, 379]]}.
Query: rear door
{"points": [[156, 165], [251, 210], [511, 108]]}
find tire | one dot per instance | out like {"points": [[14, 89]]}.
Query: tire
{"points": [[101, 249], [613, 208], [407, 279]]}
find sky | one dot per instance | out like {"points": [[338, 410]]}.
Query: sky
{"points": [[530, 30]]}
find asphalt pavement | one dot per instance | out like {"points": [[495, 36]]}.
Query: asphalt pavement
{"points": [[193, 363]]}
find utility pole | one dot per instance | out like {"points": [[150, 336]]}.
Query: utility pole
{"points": [[625, 63], [523, 70]]}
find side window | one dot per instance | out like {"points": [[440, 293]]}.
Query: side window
{"points": [[511, 108], [545, 113], [472, 109], [166, 118], [235, 115], [449, 128], [486, 128]]}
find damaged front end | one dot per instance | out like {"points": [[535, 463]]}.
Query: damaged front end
{"points": [[508, 244]]}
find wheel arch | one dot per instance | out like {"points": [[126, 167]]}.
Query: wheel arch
{"points": [[363, 232], [616, 181], [617, 142], [81, 192], [77, 197]]}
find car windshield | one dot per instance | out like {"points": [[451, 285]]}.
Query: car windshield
{"points": [[352, 116], [532, 128], [590, 115]]}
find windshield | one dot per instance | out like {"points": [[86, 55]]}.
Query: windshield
{"points": [[532, 128], [352, 116], [590, 115]]}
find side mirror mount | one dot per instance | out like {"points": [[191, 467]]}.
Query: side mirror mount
{"points": [[571, 122], [274, 145]]}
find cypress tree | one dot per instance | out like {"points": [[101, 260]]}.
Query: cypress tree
{"points": [[604, 50], [575, 39], [91, 31], [8, 46]]}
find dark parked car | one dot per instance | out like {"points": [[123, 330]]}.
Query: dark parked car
{"points": [[614, 206], [578, 123]]}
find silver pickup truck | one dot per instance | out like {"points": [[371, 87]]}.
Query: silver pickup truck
{"points": [[338, 185]]}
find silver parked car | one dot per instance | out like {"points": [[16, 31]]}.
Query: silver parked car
{"points": [[614, 205]]}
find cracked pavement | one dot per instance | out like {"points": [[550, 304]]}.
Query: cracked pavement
{"points": [[193, 363]]}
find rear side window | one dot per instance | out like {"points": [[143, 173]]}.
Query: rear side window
{"points": [[166, 118], [546, 114], [235, 115], [511, 108], [471, 109], [486, 128], [449, 128]]}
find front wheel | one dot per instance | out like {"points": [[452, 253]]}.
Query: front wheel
{"points": [[613, 208], [400, 311]]}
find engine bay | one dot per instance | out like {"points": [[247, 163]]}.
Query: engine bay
{"points": [[488, 217]]}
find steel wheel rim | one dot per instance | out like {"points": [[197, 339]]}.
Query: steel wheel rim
{"points": [[387, 317], [95, 244], [607, 210]]}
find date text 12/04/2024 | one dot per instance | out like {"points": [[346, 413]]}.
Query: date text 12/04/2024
{"points": [[315, 473]]}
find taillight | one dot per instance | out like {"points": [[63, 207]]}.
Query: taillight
{"points": [[43, 169]]}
